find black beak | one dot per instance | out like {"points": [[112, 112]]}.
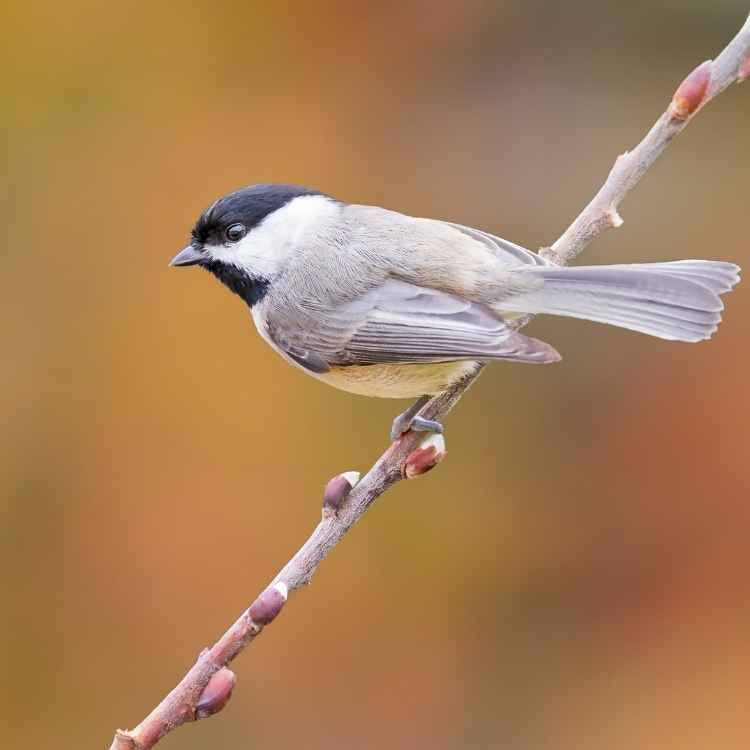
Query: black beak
{"points": [[188, 256]]}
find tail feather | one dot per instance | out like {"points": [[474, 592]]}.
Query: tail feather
{"points": [[718, 276], [677, 301]]}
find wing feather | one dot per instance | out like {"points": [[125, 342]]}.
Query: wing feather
{"points": [[505, 250], [398, 322]]}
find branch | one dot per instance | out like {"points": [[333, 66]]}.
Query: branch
{"points": [[705, 82], [206, 688]]}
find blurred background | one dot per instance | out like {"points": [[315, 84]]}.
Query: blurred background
{"points": [[574, 576]]}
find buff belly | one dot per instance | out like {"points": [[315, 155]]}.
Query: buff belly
{"points": [[397, 381]]}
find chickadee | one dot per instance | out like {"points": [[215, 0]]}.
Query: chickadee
{"points": [[382, 304]]}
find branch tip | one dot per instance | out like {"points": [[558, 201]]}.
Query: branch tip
{"points": [[691, 92], [430, 452]]}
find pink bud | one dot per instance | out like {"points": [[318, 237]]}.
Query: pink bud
{"points": [[744, 71], [338, 489], [216, 694], [268, 605], [690, 93], [429, 453]]}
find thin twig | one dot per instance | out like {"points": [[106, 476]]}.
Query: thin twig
{"points": [[207, 686]]}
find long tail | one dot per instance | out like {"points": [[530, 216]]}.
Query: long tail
{"points": [[677, 301]]}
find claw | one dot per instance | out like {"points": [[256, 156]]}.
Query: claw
{"points": [[410, 420], [397, 430], [420, 424]]}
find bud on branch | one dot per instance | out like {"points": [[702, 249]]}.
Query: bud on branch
{"points": [[267, 606], [216, 694], [337, 490], [427, 456], [690, 93]]}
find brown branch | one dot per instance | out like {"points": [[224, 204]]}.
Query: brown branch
{"points": [[206, 688]]}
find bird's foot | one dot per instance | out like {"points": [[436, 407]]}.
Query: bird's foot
{"points": [[420, 424], [410, 420]]}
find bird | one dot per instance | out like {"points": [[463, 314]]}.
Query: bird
{"points": [[380, 303]]}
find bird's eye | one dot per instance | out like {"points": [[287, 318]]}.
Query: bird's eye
{"points": [[235, 232]]}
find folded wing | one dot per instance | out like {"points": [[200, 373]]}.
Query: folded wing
{"points": [[398, 322]]}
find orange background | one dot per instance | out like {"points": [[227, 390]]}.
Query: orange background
{"points": [[574, 575]]}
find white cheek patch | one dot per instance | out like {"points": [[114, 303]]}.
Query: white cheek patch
{"points": [[264, 250], [256, 253]]}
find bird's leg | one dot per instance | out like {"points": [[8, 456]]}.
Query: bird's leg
{"points": [[410, 420]]}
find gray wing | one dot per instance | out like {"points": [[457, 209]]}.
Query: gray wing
{"points": [[504, 250], [398, 322]]}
